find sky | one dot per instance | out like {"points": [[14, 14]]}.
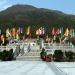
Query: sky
{"points": [[66, 6]]}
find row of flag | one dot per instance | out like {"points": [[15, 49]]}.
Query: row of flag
{"points": [[40, 31], [16, 33], [65, 35], [60, 31]]}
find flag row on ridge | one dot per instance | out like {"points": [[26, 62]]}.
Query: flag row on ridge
{"points": [[16, 33]]}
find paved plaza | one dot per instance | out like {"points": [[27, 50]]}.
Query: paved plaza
{"points": [[36, 68]]}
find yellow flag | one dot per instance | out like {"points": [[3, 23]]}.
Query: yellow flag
{"points": [[2, 38], [28, 30], [47, 38], [7, 32], [14, 32], [17, 36], [66, 32]]}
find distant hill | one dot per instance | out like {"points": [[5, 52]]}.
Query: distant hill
{"points": [[25, 15]]}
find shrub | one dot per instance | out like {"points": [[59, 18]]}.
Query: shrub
{"points": [[43, 54], [73, 41], [4, 56], [7, 55], [58, 55], [10, 54], [0, 55], [69, 55]]}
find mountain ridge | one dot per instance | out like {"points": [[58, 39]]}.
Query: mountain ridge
{"points": [[25, 15]]}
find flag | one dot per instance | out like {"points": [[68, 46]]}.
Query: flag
{"points": [[61, 32], [66, 32], [17, 36], [28, 30], [2, 38], [72, 33], [7, 33], [53, 31], [14, 32], [43, 31], [69, 38], [47, 38], [64, 39], [40, 31], [37, 32], [58, 31], [21, 30]]}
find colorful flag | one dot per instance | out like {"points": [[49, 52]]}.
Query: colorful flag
{"points": [[21, 30], [14, 32], [64, 39], [17, 36], [37, 32], [40, 31], [69, 38], [28, 30], [53, 31], [7, 33], [58, 31], [66, 32], [2, 38], [61, 32], [70, 33], [73, 33], [43, 31], [47, 38]]}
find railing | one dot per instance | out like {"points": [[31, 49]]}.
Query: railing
{"points": [[8, 47], [53, 47], [48, 47]]}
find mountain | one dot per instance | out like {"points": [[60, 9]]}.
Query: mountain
{"points": [[25, 15]]}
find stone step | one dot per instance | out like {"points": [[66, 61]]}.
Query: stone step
{"points": [[32, 54], [28, 58], [36, 50]]}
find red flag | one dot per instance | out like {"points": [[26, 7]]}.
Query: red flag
{"points": [[53, 31]]}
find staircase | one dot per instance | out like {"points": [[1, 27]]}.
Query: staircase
{"points": [[33, 55]]}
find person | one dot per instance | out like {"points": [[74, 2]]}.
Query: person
{"points": [[29, 48]]}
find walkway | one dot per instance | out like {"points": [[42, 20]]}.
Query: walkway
{"points": [[25, 68]]}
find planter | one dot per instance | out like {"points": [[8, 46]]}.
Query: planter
{"points": [[48, 58], [43, 58]]}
